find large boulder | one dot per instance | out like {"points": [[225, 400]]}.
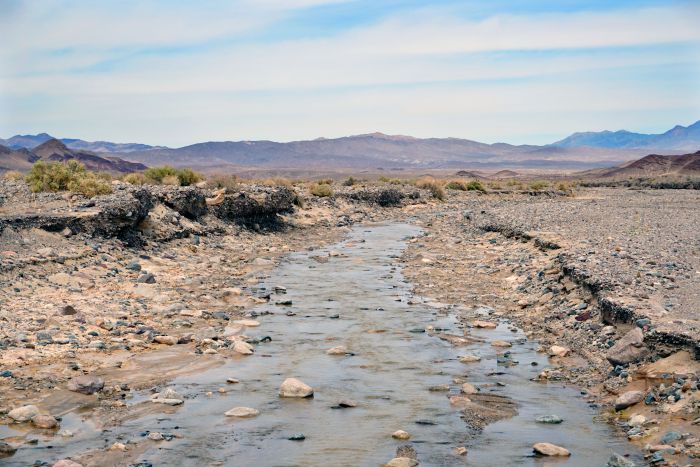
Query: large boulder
{"points": [[629, 349]]}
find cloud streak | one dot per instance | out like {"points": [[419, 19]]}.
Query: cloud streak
{"points": [[99, 61]]}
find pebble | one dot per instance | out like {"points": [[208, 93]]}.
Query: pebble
{"points": [[167, 340], [484, 324], [67, 463], [251, 323], [242, 412], [499, 343], [461, 451], [401, 462], [155, 436], [339, 350], [549, 449], [400, 434], [169, 397], [232, 381], [468, 389], [297, 437], [118, 447], [549, 419], [292, 387], [559, 351], [470, 359]]}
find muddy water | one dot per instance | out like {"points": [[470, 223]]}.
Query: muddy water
{"points": [[357, 299]]}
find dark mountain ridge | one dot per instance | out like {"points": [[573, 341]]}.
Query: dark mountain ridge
{"points": [[54, 150]]}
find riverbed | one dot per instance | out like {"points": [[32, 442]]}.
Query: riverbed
{"points": [[397, 369]]}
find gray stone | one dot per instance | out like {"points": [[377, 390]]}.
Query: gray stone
{"points": [[629, 349], [86, 384], [628, 399]]}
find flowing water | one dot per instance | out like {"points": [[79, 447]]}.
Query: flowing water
{"points": [[357, 299]]}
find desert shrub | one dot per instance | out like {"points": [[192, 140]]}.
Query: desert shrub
{"points": [[321, 190], [432, 185], [167, 175], [495, 185], [564, 186], [68, 176], [350, 181], [538, 185], [326, 181], [456, 185], [90, 185], [157, 174], [460, 185], [278, 181], [13, 175], [188, 177], [384, 179], [172, 180], [229, 182], [135, 178]]}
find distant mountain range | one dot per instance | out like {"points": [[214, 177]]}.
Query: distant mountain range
{"points": [[680, 138], [54, 150], [32, 141], [380, 151]]}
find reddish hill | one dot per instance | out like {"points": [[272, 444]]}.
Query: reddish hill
{"points": [[653, 165]]}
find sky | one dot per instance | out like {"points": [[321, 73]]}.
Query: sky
{"points": [[178, 72]]}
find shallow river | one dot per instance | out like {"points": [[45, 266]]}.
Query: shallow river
{"points": [[359, 299]]}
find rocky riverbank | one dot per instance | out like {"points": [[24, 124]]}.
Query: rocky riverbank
{"points": [[606, 280], [101, 297]]}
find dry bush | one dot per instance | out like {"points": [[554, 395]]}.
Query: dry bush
{"points": [[230, 182], [170, 180], [432, 185], [538, 185], [461, 185], [135, 178], [350, 181], [321, 190], [13, 175], [277, 181]]}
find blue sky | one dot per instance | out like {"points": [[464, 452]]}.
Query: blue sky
{"points": [[178, 72]]}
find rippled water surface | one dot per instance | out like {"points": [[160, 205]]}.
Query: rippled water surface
{"points": [[388, 376]]}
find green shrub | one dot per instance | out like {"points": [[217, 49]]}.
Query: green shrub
{"points": [[157, 174], [474, 185], [539, 185], [188, 177], [230, 182], [68, 176], [350, 181], [168, 175], [321, 190]]}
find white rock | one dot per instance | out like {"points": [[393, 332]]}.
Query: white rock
{"points": [[251, 323], [400, 434], [242, 412], [24, 413], [292, 387], [470, 359], [340, 350], [243, 348], [469, 389], [401, 462], [549, 449], [559, 351]]}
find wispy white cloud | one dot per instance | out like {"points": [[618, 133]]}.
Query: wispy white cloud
{"points": [[412, 70]]}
